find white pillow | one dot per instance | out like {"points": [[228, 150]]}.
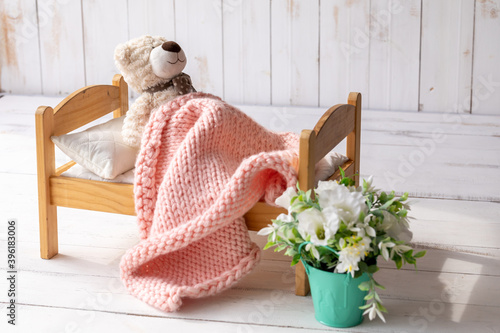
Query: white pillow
{"points": [[328, 165], [100, 149]]}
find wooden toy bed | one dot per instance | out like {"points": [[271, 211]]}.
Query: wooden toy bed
{"points": [[92, 102]]}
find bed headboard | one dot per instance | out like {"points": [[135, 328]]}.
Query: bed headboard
{"points": [[88, 104], [81, 107], [78, 109]]}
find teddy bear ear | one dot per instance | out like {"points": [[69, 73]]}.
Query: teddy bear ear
{"points": [[122, 54]]}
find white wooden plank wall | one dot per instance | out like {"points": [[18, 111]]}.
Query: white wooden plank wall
{"points": [[247, 44], [105, 24], [344, 49], [486, 75], [20, 69], [198, 28], [153, 17], [294, 52], [427, 55], [446, 61], [58, 26], [394, 54]]}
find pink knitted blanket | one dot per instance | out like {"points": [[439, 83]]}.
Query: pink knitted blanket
{"points": [[203, 164]]}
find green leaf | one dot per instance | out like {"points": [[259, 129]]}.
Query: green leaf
{"points": [[281, 248], [366, 306], [378, 285], [419, 254], [383, 197], [381, 307], [402, 213], [308, 196], [363, 266], [408, 254], [357, 274], [399, 262], [295, 260], [411, 260], [342, 173], [387, 204], [268, 245], [372, 269], [365, 286], [290, 251]]}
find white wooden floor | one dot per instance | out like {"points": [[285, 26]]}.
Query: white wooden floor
{"points": [[449, 164]]}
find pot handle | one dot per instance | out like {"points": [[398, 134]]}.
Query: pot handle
{"points": [[326, 247]]}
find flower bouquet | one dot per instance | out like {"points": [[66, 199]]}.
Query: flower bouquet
{"points": [[343, 229]]}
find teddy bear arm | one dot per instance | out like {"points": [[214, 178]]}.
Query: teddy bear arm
{"points": [[136, 119]]}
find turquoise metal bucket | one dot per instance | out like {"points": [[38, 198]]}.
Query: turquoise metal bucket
{"points": [[336, 297]]}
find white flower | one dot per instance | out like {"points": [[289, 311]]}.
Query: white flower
{"points": [[285, 199], [312, 223], [332, 219], [285, 218], [400, 249], [351, 255], [325, 186], [370, 231], [348, 204], [383, 246], [342, 243], [373, 312], [364, 228], [314, 250], [396, 228], [364, 246], [268, 230], [367, 183]]}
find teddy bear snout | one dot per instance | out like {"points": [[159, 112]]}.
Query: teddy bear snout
{"points": [[167, 60], [171, 47]]}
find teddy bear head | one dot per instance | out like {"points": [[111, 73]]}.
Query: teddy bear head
{"points": [[147, 61]]}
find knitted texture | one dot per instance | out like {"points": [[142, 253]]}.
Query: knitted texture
{"points": [[203, 164]]}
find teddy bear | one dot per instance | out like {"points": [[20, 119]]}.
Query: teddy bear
{"points": [[151, 66]]}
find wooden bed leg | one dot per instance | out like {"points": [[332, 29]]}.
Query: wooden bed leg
{"points": [[301, 280], [353, 148], [48, 230], [44, 122]]}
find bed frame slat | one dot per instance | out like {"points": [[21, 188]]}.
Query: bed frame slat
{"points": [[81, 193], [348, 168], [261, 214]]}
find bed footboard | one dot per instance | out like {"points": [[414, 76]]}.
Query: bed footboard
{"points": [[339, 122]]}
